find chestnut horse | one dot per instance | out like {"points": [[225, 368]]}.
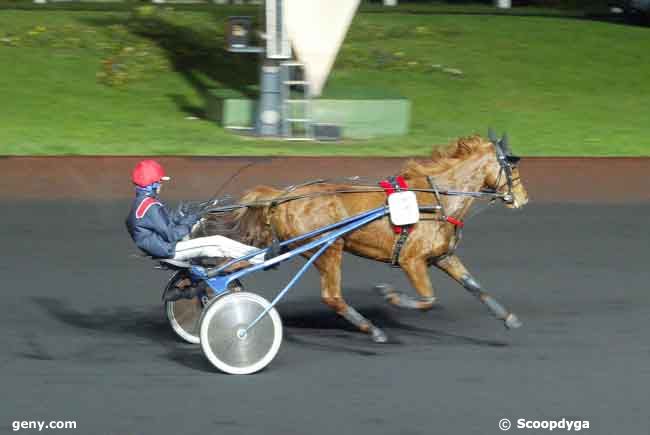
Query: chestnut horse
{"points": [[470, 164]]}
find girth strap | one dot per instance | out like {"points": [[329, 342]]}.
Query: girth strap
{"points": [[397, 249]]}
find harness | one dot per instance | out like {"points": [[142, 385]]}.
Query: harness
{"points": [[505, 159], [457, 223], [392, 185], [398, 184]]}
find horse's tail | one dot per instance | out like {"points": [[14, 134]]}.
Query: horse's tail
{"points": [[253, 226], [250, 197]]}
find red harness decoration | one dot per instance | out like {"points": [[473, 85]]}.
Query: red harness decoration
{"points": [[395, 184], [390, 186], [454, 221], [145, 206]]}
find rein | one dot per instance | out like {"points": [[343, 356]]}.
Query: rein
{"points": [[369, 189], [505, 158]]}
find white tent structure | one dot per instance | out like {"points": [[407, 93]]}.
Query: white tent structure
{"points": [[301, 39], [313, 31], [316, 29]]}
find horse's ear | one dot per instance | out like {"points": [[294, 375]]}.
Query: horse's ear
{"points": [[492, 136], [506, 144], [498, 143]]}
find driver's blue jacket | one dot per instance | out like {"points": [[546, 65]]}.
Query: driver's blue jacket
{"points": [[154, 228]]}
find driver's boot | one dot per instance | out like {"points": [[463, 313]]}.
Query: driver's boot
{"points": [[187, 291]]}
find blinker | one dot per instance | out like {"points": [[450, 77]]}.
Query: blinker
{"points": [[513, 160]]}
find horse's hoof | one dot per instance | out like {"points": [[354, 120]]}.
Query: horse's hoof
{"points": [[512, 321], [403, 300], [429, 303], [378, 335]]}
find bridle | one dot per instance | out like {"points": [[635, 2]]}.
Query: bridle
{"points": [[507, 162]]}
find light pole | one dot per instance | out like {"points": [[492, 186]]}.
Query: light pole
{"points": [[268, 121]]}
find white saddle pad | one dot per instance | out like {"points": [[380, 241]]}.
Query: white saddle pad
{"points": [[403, 208]]}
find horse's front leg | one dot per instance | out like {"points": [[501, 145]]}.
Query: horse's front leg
{"points": [[329, 266], [455, 268], [417, 273]]}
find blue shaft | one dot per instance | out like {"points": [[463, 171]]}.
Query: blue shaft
{"points": [[293, 281], [375, 214], [220, 283], [358, 223]]}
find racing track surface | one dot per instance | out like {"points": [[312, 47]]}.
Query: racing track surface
{"points": [[84, 337]]}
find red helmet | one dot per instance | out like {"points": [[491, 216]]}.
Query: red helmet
{"points": [[147, 172]]}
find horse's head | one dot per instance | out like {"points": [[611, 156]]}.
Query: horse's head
{"points": [[502, 175]]}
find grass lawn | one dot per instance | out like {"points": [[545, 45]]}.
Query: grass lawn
{"points": [[117, 82]]}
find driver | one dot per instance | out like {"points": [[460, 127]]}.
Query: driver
{"points": [[160, 232]]}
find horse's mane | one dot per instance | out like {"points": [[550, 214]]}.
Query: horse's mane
{"points": [[444, 157]]}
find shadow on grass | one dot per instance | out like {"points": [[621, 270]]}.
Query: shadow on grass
{"points": [[198, 56], [183, 103]]}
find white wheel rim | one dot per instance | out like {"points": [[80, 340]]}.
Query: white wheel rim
{"points": [[188, 333], [270, 326], [184, 319]]}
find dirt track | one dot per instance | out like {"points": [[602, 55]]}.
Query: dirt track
{"points": [[603, 180], [84, 337]]}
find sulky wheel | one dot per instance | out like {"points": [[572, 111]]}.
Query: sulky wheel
{"points": [[184, 315], [223, 341]]}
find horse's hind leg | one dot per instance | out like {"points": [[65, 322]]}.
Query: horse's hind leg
{"points": [[453, 266], [329, 266], [416, 271]]}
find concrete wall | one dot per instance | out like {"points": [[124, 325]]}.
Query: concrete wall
{"points": [[363, 119], [359, 119]]}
